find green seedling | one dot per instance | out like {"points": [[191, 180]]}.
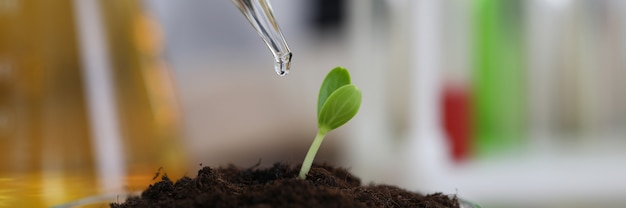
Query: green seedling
{"points": [[337, 103]]}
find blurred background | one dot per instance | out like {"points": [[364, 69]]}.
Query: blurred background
{"points": [[516, 103], [506, 103]]}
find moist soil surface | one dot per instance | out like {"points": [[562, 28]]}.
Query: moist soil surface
{"points": [[278, 186]]}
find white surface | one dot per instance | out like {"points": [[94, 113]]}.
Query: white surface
{"points": [[541, 180]]}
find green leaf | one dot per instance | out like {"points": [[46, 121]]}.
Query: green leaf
{"points": [[335, 79], [341, 106]]}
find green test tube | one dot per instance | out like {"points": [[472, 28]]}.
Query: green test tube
{"points": [[498, 77]]}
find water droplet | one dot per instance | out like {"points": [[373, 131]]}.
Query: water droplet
{"points": [[283, 64]]}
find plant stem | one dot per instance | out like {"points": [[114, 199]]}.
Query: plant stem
{"points": [[310, 155]]}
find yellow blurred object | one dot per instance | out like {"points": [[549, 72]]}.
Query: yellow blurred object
{"points": [[49, 146]]}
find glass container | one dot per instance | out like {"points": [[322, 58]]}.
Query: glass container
{"points": [[87, 107]]}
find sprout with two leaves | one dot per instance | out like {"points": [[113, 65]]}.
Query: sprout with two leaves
{"points": [[337, 103]]}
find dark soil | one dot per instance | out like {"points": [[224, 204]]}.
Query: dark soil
{"points": [[278, 186]]}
